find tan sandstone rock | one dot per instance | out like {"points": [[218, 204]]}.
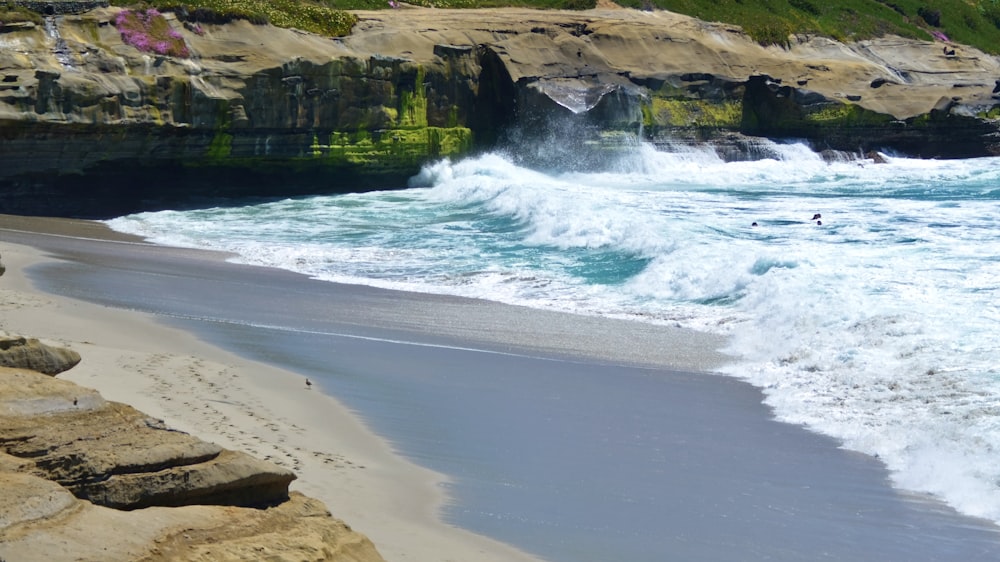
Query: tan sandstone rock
{"points": [[255, 103], [60, 443], [114, 455], [39, 520], [24, 353]]}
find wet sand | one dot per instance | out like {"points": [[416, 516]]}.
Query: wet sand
{"points": [[267, 411], [577, 439]]}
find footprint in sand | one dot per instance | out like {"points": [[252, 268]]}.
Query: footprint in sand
{"points": [[12, 300], [213, 394]]}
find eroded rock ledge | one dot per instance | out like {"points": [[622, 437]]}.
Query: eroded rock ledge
{"points": [[92, 127], [29, 353], [71, 463]]}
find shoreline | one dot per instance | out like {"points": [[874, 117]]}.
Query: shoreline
{"points": [[405, 523], [132, 357]]}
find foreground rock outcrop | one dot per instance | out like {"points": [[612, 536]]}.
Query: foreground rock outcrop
{"points": [[113, 455], [72, 463], [40, 520], [93, 127], [29, 353]]}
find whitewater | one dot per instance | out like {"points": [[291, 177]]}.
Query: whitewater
{"points": [[874, 322]]}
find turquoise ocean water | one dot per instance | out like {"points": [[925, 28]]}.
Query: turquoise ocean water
{"points": [[877, 327]]}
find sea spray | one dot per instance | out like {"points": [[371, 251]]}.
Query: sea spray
{"points": [[874, 323]]}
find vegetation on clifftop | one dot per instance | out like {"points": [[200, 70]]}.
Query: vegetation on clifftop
{"points": [[148, 31], [9, 13], [970, 22], [770, 22], [539, 4], [316, 17]]}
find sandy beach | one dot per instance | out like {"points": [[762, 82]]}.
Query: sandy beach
{"points": [[130, 357], [728, 482]]}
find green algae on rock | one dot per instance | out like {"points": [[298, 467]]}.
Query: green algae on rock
{"points": [[99, 128]]}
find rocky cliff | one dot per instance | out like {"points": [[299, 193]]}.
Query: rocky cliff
{"points": [[92, 126], [87, 479]]}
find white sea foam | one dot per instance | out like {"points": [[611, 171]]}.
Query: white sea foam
{"points": [[876, 327]]}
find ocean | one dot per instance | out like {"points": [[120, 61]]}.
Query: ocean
{"points": [[860, 296]]}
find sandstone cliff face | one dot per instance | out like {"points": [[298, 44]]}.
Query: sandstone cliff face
{"points": [[93, 127], [71, 463]]}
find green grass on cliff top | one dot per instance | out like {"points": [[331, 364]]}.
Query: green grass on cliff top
{"points": [[970, 22], [317, 17], [770, 22], [9, 13]]}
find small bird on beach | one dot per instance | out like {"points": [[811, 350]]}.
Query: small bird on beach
{"points": [[74, 401], [308, 383]]}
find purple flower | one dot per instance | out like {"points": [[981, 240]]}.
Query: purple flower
{"points": [[146, 31]]}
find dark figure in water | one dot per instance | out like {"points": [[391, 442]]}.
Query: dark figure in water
{"points": [[817, 216]]}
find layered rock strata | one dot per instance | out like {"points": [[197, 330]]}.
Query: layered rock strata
{"points": [[40, 520], [91, 126], [113, 455], [29, 353], [71, 464]]}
